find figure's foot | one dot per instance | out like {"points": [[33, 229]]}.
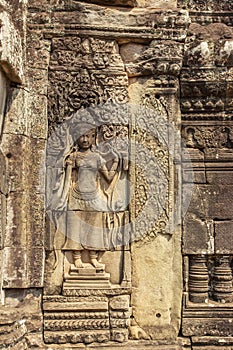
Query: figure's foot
{"points": [[97, 264], [78, 263]]}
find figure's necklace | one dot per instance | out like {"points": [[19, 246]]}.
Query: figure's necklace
{"points": [[82, 155]]}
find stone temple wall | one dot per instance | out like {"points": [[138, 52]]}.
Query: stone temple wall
{"points": [[144, 73]]}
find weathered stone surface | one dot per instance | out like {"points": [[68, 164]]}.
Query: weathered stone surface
{"points": [[223, 237], [162, 4], [212, 342], [220, 177], [11, 57], [211, 201], [157, 317], [76, 54], [197, 235]]}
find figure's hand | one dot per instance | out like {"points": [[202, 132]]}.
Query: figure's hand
{"points": [[70, 161]]}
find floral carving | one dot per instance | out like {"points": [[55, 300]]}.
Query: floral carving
{"points": [[84, 73], [208, 136]]}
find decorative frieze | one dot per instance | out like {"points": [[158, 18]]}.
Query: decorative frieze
{"points": [[207, 136], [96, 319]]}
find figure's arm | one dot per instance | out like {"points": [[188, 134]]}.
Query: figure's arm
{"points": [[69, 163], [109, 174]]}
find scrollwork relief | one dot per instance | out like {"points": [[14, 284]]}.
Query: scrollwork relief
{"points": [[208, 137], [83, 73]]}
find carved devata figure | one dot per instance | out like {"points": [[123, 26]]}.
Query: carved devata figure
{"points": [[93, 170]]}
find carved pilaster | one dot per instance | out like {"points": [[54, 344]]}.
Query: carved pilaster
{"points": [[222, 280], [198, 279]]}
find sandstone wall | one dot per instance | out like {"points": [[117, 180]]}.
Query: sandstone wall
{"points": [[57, 57]]}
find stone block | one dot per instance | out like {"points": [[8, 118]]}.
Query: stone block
{"points": [[119, 335], [221, 177], [115, 262], [127, 3], [15, 267], [194, 176], [35, 266], [11, 56], [199, 326], [158, 4], [131, 52], [37, 80], [120, 302], [23, 267], [2, 219], [195, 201], [84, 305], [73, 337], [220, 201], [36, 221], [212, 343], [211, 201], [143, 345], [224, 237], [38, 53], [16, 220], [35, 164], [196, 235], [3, 175], [155, 300], [12, 146], [37, 125], [16, 114]]}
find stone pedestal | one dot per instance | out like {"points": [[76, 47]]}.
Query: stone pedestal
{"points": [[86, 277], [90, 310]]}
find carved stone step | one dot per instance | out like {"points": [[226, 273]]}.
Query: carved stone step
{"points": [[88, 269], [87, 277]]}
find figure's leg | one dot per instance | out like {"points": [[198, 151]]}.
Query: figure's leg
{"points": [[93, 257], [77, 258]]}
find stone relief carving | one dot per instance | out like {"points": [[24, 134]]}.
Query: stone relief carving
{"points": [[208, 136], [202, 5], [91, 178], [206, 87], [157, 59], [90, 72], [153, 157]]}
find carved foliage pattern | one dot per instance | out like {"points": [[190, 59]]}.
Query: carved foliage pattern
{"points": [[208, 136], [84, 72], [152, 159], [159, 59]]}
